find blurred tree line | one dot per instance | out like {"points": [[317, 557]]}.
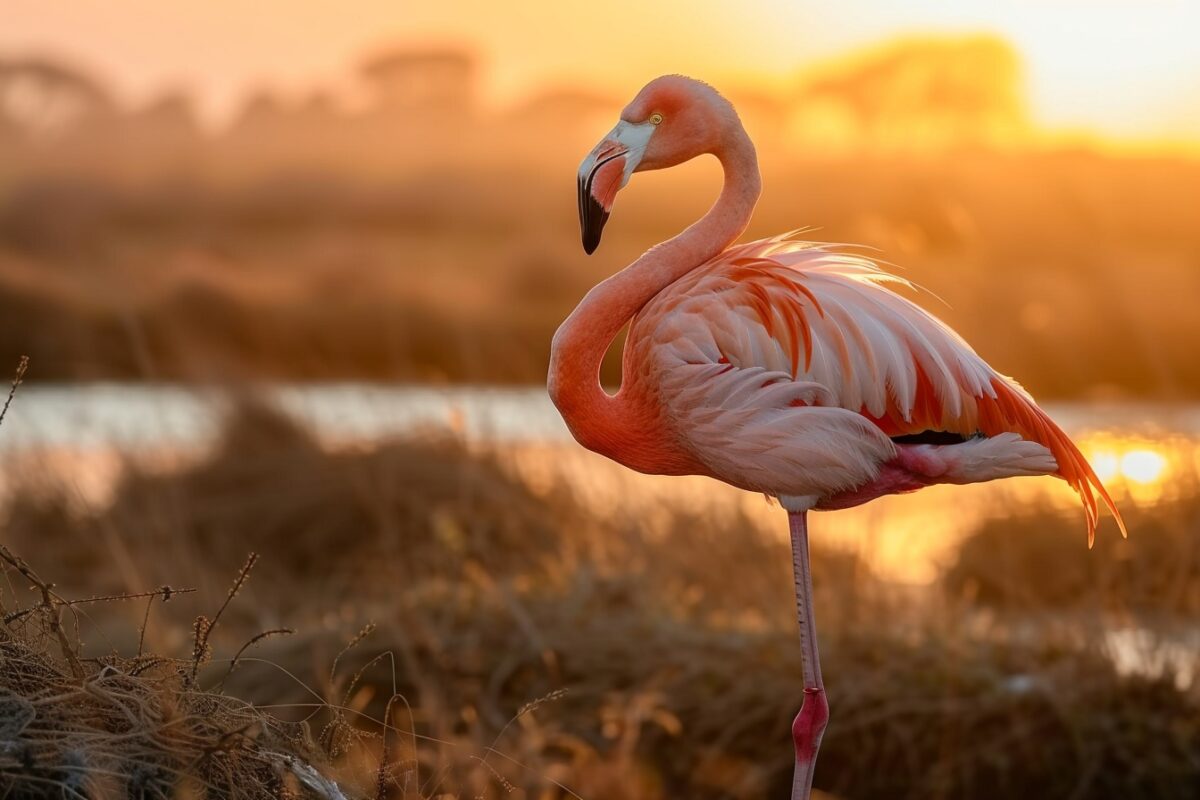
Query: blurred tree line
{"points": [[403, 228], [423, 105]]}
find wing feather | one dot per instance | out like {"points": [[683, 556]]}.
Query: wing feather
{"points": [[798, 357]]}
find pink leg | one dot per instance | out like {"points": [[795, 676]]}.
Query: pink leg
{"points": [[814, 714]]}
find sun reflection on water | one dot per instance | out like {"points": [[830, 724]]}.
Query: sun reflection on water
{"points": [[1146, 456], [1144, 469], [1142, 466]]}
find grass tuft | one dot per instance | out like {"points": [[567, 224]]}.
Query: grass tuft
{"points": [[140, 726]]}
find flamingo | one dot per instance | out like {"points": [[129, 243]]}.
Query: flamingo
{"points": [[779, 366]]}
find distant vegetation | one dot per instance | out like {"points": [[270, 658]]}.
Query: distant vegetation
{"points": [[418, 234], [924, 94]]}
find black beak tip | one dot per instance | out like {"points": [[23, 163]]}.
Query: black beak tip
{"points": [[592, 217]]}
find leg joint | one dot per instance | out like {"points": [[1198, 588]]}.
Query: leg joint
{"points": [[810, 724]]}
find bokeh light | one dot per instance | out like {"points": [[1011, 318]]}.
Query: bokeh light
{"points": [[1143, 466]]}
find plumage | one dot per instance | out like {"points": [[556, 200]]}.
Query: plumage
{"points": [[756, 354]]}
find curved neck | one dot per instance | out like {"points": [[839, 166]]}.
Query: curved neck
{"points": [[581, 341]]}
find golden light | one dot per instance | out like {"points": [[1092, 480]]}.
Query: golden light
{"points": [[1143, 469], [1111, 70], [1142, 466], [1106, 465]]}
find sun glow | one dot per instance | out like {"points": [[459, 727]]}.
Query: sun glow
{"points": [[1106, 464], [1143, 466], [1107, 71], [1143, 469]]}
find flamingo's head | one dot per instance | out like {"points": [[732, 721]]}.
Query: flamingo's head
{"points": [[673, 119]]}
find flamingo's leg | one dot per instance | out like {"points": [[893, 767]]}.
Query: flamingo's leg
{"points": [[810, 723]]}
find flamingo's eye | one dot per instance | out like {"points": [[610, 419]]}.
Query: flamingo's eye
{"points": [[656, 118]]}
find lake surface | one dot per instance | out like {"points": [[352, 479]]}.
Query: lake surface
{"points": [[139, 415], [82, 435]]}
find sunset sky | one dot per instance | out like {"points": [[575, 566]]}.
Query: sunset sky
{"points": [[1125, 69]]}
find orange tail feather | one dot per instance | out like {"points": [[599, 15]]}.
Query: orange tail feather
{"points": [[1012, 411]]}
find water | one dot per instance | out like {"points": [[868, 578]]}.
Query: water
{"points": [[83, 434], [136, 416], [81, 437], [133, 417]]}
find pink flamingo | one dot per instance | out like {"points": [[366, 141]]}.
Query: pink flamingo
{"points": [[779, 366]]}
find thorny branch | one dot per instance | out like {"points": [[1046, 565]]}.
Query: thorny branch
{"points": [[50, 608]]}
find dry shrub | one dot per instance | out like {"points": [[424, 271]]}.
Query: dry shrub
{"points": [[356, 525], [351, 522], [447, 275], [662, 706], [136, 726], [1035, 562]]}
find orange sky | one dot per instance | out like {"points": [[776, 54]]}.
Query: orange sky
{"points": [[1127, 69]]}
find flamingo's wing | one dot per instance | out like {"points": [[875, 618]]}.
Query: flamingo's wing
{"points": [[794, 327], [760, 429]]}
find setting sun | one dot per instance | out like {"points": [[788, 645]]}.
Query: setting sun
{"points": [[1132, 461], [1142, 466], [1145, 469]]}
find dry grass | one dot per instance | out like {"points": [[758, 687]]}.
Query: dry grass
{"points": [[664, 660], [663, 707], [137, 725], [1033, 564]]}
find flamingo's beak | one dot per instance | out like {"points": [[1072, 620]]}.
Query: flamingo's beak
{"points": [[604, 172]]}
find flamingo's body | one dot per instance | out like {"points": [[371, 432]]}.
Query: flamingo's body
{"points": [[779, 366]]}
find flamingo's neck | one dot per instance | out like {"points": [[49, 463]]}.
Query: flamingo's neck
{"points": [[614, 424]]}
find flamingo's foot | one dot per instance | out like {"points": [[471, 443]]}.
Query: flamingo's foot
{"points": [[807, 729]]}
